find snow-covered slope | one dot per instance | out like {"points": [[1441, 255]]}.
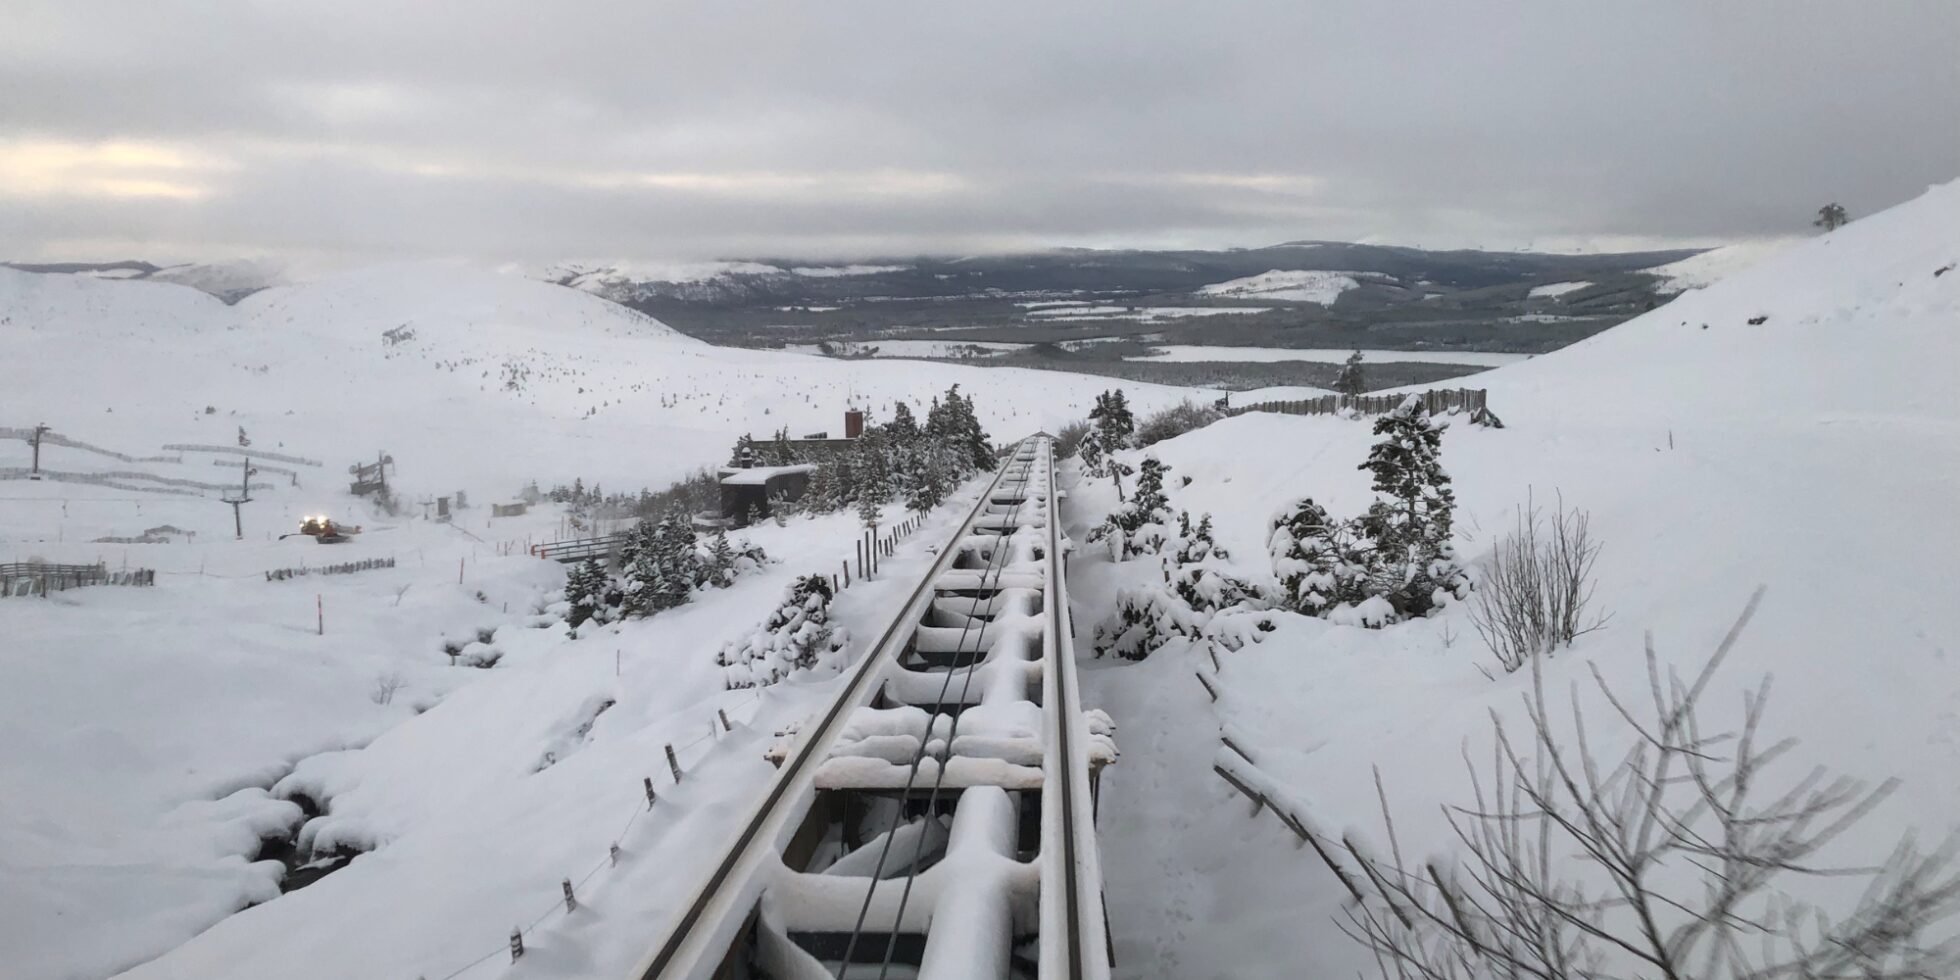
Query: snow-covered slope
{"points": [[1717, 264], [1813, 451], [145, 726], [470, 380]]}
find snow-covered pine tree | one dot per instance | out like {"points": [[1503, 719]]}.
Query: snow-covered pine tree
{"points": [[586, 585], [872, 495], [1113, 419], [1350, 381], [1413, 558], [904, 428], [1319, 564], [678, 547], [744, 453], [719, 567]]}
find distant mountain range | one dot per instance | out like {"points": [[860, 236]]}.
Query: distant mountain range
{"points": [[1297, 294]]}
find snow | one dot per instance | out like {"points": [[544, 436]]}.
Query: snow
{"points": [[835, 271], [1053, 314], [1327, 355], [756, 476], [1716, 264], [548, 376], [1553, 290], [1813, 452], [1292, 285], [146, 727]]}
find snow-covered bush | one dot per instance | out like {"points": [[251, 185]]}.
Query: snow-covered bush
{"points": [[797, 636], [1535, 590], [1186, 416], [1320, 563], [1069, 439], [1141, 525], [660, 567], [1185, 606], [1195, 589]]}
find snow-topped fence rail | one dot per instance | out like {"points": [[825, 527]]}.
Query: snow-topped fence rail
{"points": [[39, 578], [49, 438], [256, 454], [937, 818], [1474, 401]]}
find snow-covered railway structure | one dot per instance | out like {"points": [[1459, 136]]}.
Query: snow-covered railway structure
{"points": [[937, 819]]}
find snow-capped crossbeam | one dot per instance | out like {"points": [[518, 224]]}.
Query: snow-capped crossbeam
{"points": [[937, 817]]}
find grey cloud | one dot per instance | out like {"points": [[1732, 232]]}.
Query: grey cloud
{"points": [[500, 129]]}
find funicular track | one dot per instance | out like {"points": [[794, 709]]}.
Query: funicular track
{"points": [[937, 819]]}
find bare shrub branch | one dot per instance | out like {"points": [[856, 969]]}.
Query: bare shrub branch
{"points": [[1668, 863], [1535, 591]]}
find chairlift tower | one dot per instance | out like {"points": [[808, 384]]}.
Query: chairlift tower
{"points": [[239, 498]]}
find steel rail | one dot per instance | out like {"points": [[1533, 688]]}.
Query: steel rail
{"points": [[815, 745]]}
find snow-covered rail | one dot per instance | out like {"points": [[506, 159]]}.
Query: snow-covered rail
{"points": [[937, 819]]}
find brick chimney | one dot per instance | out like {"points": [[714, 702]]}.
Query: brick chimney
{"points": [[853, 423]]}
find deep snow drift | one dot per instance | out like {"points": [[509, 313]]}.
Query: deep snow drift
{"points": [[1814, 450]]}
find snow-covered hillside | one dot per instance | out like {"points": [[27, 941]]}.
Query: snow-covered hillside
{"points": [[1717, 264], [148, 727], [1294, 285], [469, 380], [1793, 426]]}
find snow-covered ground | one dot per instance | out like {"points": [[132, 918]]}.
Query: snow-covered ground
{"points": [[1814, 452], [1177, 352], [1553, 290], [1292, 285], [146, 728], [469, 380]]}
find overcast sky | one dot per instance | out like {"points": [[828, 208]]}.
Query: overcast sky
{"points": [[644, 130]]}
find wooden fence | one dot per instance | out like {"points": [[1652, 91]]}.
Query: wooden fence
{"points": [[40, 578], [344, 568], [1439, 400]]}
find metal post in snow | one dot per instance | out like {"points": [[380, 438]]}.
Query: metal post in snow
{"points": [[516, 944], [724, 720], [571, 901], [674, 763], [320, 612], [459, 571], [650, 796]]}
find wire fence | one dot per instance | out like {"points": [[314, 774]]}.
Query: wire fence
{"points": [[720, 725]]}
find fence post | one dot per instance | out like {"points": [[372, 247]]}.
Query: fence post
{"points": [[674, 763], [571, 901]]}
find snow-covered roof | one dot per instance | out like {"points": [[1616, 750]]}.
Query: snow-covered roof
{"points": [[758, 475]]}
